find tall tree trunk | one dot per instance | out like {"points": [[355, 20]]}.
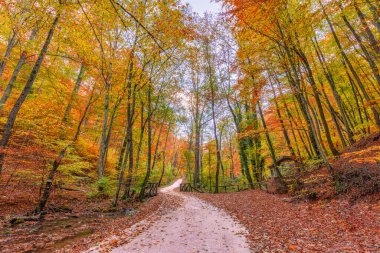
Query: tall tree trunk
{"points": [[292, 121], [295, 82], [269, 141], [128, 150], [218, 156], [244, 160], [331, 81], [210, 73], [232, 165], [7, 132], [103, 140], [11, 43], [109, 132], [156, 147], [197, 153], [15, 73], [293, 75], [372, 39], [128, 182], [138, 153], [149, 154], [348, 62], [74, 93], [164, 156], [123, 147], [319, 103], [237, 116], [251, 117], [284, 131], [367, 56], [375, 15]]}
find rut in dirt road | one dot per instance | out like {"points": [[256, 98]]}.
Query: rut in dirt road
{"points": [[194, 227]]}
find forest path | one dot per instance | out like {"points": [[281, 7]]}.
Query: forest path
{"points": [[195, 226]]}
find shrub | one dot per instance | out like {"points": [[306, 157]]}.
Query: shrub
{"points": [[102, 188]]}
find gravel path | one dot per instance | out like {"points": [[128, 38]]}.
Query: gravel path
{"points": [[194, 227]]}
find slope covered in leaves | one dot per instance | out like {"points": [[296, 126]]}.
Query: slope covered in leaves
{"points": [[275, 225]]}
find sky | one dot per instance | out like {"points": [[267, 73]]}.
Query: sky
{"points": [[202, 6]]}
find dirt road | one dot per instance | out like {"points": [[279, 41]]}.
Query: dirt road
{"points": [[196, 226]]}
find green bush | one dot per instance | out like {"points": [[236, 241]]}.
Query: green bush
{"points": [[102, 188]]}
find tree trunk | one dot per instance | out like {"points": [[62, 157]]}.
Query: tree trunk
{"points": [[7, 132], [244, 161], [197, 153], [330, 80], [284, 131], [232, 176], [291, 121], [156, 147], [218, 156], [269, 141], [241, 143], [164, 156], [149, 154], [372, 40], [294, 80], [74, 93], [128, 183], [15, 73], [103, 141], [11, 43], [305, 113], [333, 116], [128, 152], [138, 153], [367, 56], [319, 103], [375, 15], [348, 62]]}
